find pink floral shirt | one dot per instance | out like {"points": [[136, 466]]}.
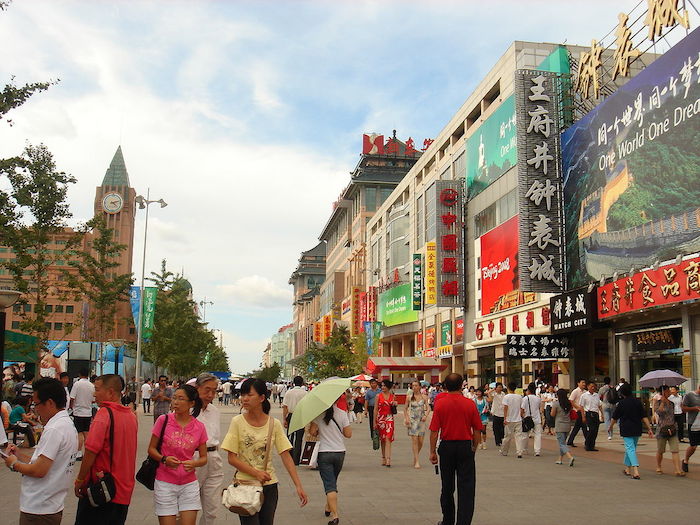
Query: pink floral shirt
{"points": [[181, 443]]}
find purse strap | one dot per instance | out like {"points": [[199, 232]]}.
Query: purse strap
{"points": [[529, 408], [268, 444], [162, 433]]}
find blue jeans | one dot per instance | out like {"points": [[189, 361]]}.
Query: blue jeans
{"points": [[631, 451], [561, 439], [607, 416], [329, 466]]}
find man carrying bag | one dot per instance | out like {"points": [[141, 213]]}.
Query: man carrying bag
{"points": [[102, 457]]}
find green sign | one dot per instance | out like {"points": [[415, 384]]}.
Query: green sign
{"points": [[396, 305], [417, 281], [491, 150], [446, 333], [149, 311]]}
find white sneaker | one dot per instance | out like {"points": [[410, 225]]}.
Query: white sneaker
{"points": [[609, 438]]}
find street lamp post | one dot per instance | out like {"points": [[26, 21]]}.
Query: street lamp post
{"points": [[7, 299], [143, 203]]}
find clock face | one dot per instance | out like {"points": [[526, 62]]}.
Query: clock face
{"points": [[112, 203]]}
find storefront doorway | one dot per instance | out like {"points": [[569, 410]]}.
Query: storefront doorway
{"points": [[487, 369]]}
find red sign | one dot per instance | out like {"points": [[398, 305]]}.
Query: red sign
{"points": [[317, 331], [419, 342], [356, 310], [373, 144], [499, 261], [372, 304], [430, 337], [459, 330], [667, 285]]}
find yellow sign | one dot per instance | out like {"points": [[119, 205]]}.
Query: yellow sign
{"points": [[445, 351], [687, 365], [431, 273]]}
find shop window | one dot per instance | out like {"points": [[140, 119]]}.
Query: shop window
{"points": [[59, 309], [58, 326], [15, 325], [69, 309]]}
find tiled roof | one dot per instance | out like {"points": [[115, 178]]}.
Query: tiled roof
{"points": [[116, 174]]}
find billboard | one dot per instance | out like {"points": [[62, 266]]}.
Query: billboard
{"points": [[491, 150], [431, 273], [150, 294], [499, 267], [450, 253], [446, 333], [417, 281], [396, 305], [630, 171]]}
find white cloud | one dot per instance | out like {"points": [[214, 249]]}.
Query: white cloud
{"points": [[257, 291], [244, 354]]}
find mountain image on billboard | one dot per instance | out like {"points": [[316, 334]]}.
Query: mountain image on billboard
{"points": [[630, 170]]}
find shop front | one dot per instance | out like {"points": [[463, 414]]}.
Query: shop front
{"points": [[402, 370]]}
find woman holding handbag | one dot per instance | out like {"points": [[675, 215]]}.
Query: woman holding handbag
{"points": [[666, 430], [384, 419], [561, 412], [176, 490], [331, 453], [415, 414], [249, 451]]}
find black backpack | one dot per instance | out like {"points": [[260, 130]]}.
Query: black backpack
{"points": [[612, 396]]}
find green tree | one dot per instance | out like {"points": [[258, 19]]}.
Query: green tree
{"points": [[181, 342], [269, 374], [94, 279], [340, 356], [32, 212]]}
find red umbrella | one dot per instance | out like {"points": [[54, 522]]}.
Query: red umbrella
{"points": [[361, 377]]}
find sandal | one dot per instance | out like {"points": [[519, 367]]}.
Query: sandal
{"points": [[680, 474], [659, 471], [384, 461], [636, 477], [626, 473]]}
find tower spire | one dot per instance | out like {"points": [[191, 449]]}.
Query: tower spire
{"points": [[116, 174]]}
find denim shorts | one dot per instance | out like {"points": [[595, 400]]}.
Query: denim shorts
{"points": [[329, 466]]}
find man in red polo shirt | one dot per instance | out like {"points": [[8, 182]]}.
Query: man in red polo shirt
{"points": [[457, 421], [98, 455]]}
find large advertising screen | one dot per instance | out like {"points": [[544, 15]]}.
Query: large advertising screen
{"points": [[396, 305], [491, 151], [630, 171], [499, 266]]}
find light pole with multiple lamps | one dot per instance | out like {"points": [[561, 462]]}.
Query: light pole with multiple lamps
{"points": [[143, 203], [7, 299]]}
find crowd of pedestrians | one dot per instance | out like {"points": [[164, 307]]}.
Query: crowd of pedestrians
{"points": [[86, 434]]}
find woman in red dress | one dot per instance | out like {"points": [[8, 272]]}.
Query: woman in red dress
{"points": [[384, 420]]}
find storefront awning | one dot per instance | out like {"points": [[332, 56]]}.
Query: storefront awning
{"points": [[398, 364]]}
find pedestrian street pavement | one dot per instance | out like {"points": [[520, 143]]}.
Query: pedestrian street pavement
{"points": [[509, 490]]}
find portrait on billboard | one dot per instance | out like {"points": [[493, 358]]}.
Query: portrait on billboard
{"points": [[630, 171]]}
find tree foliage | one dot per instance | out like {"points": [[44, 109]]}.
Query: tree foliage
{"points": [[32, 212], [342, 356], [269, 374], [94, 279], [181, 342]]}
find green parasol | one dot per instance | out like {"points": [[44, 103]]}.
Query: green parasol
{"points": [[315, 403]]}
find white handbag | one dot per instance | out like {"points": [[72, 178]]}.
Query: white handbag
{"points": [[245, 497]]}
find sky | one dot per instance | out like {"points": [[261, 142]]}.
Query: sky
{"points": [[247, 117]]}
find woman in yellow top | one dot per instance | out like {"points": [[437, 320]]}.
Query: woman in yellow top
{"points": [[245, 443]]}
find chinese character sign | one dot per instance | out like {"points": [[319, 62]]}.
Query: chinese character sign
{"points": [[417, 281], [645, 289], [356, 311], [572, 311], [450, 252], [522, 346], [431, 273], [540, 204]]}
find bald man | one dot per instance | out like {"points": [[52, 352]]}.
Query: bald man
{"points": [[103, 455]]}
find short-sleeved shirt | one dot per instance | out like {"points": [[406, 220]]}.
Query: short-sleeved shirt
{"points": [[456, 418], [603, 393], [293, 397], [513, 402], [371, 396], [27, 390], [146, 390], [575, 395], [691, 399], [180, 443], [248, 442], [123, 462], [676, 400], [562, 420], [531, 405], [82, 394], [162, 407], [664, 414], [59, 443], [16, 414], [497, 404], [330, 436]]}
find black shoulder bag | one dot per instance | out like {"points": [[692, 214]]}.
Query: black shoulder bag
{"points": [[147, 473], [103, 490], [528, 422]]}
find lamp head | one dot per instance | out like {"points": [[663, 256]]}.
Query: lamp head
{"points": [[162, 203], [140, 201], [8, 298]]}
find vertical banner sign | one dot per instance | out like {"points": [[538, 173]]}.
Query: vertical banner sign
{"points": [[149, 309], [450, 260], [369, 336], [417, 281], [363, 310], [430, 273], [318, 325], [355, 305], [539, 181], [327, 327], [372, 304]]}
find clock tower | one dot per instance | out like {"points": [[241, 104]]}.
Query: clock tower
{"points": [[115, 201]]}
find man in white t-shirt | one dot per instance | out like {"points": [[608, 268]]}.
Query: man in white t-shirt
{"points": [[512, 404], [495, 397], [289, 403], [532, 406], [81, 397], [227, 392], [575, 398], [47, 475], [146, 390]]}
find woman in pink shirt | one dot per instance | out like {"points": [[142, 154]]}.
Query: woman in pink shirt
{"points": [[176, 488]]}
